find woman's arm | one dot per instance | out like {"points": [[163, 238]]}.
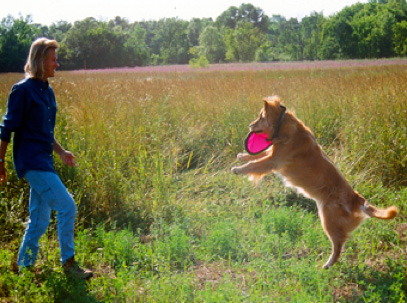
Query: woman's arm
{"points": [[66, 156]]}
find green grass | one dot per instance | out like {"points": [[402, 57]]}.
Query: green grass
{"points": [[161, 218]]}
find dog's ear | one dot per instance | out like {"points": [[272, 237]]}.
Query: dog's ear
{"points": [[273, 101], [272, 106], [272, 109], [265, 105]]}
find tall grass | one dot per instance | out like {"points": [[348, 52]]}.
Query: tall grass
{"points": [[161, 219]]}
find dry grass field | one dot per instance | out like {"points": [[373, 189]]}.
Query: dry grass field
{"points": [[162, 219]]}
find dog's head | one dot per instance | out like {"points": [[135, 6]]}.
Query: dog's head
{"points": [[268, 118]]}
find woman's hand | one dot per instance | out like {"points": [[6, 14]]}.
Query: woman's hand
{"points": [[68, 158]]}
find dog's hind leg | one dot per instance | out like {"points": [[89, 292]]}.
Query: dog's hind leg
{"points": [[337, 235], [337, 245]]}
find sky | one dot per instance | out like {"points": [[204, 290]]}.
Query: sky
{"points": [[47, 12]]}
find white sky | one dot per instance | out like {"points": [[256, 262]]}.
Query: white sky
{"points": [[47, 11]]}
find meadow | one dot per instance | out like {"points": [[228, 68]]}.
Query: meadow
{"points": [[162, 219]]}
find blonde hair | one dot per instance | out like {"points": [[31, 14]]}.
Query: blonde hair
{"points": [[34, 68]]}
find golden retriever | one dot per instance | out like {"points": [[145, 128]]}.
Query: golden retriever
{"points": [[297, 157]]}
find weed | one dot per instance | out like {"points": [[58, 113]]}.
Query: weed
{"points": [[161, 219]]}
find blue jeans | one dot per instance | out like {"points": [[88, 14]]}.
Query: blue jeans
{"points": [[47, 192]]}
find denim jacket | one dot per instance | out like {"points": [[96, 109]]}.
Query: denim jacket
{"points": [[31, 113]]}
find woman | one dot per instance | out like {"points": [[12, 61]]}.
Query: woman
{"points": [[31, 113]]}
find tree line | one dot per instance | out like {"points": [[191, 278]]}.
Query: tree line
{"points": [[377, 29]]}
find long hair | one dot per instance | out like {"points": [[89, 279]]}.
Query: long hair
{"points": [[34, 68]]}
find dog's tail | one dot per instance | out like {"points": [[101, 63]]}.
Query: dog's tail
{"points": [[374, 212]]}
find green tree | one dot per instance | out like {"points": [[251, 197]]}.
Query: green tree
{"points": [[58, 30], [211, 44], [243, 42], [92, 44], [311, 35], [240, 34], [400, 38], [363, 30], [136, 46], [228, 18], [343, 31], [290, 40], [195, 29], [274, 49], [373, 30], [16, 36], [119, 24], [170, 41], [245, 13]]}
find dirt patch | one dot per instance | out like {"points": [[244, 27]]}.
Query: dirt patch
{"points": [[214, 273], [401, 229], [376, 263], [347, 292]]}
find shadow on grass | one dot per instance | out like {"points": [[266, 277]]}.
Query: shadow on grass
{"points": [[64, 289], [381, 282], [299, 200], [292, 198]]}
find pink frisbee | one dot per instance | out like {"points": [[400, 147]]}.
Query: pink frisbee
{"points": [[255, 143]]}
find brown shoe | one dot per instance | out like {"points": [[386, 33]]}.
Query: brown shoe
{"points": [[72, 269]]}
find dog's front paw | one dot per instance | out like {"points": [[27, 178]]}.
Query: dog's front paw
{"points": [[241, 156], [235, 170]]}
